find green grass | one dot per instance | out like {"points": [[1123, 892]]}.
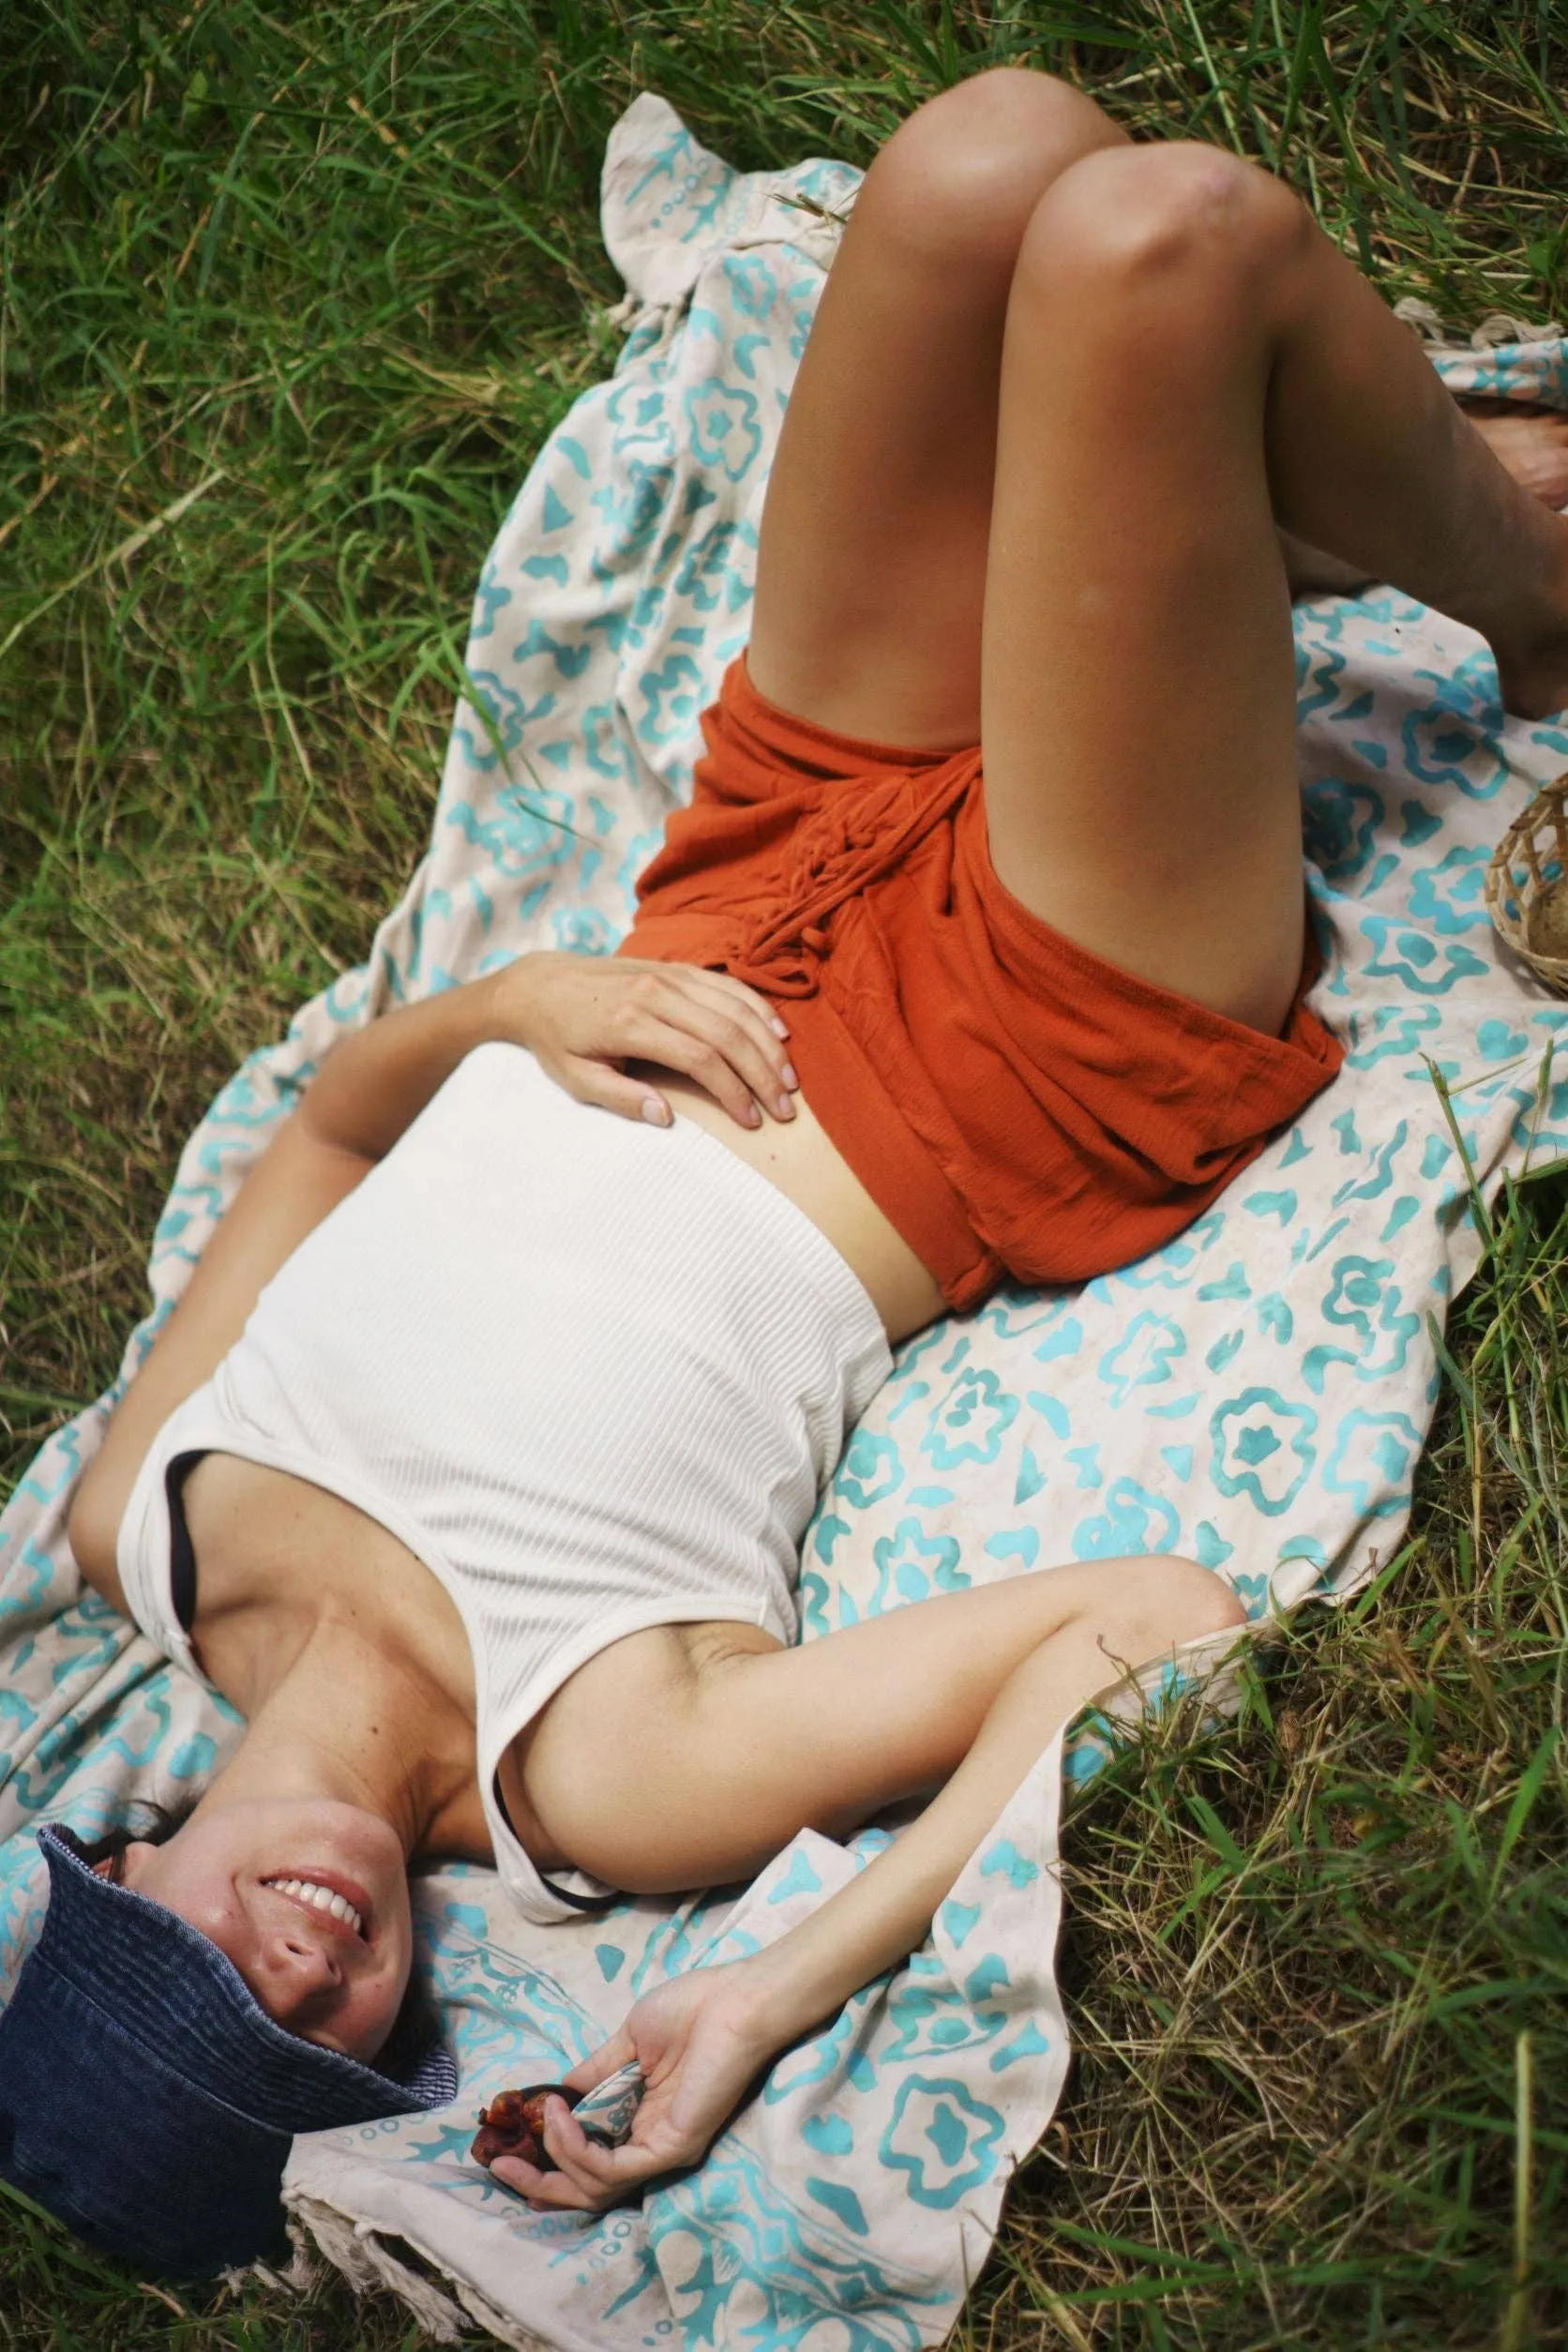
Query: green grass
{"points": [[1318, 1969], [298, 293]]}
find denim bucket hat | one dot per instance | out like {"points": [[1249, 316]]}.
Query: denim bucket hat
{"points": [[146, 2097]]}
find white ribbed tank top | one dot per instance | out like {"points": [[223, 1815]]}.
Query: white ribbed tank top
{"points": [[595, 1374]]}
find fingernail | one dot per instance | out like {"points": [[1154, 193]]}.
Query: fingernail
{"points": [[789, 1077], [779, 1028], [753, 1114], [655, 1113], [786, 1105]]}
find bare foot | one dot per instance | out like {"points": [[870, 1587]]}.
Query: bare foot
{"points": [[1531, 443]]}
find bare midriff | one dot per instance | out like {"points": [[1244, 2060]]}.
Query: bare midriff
{"points": [[797, 1155]]}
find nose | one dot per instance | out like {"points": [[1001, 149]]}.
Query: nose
{"points": [[299, 1972]]}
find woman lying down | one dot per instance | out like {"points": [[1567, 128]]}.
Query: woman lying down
{"points": [[474, 1464]]}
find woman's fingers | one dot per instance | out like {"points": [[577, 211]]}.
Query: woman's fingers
{"points": [[729, 1024], [603, 2174], [725, 985], [602, 1084], [586, 1018], [588, 2178], [717, 1057], [574, 1012], [546, 2190], [675, 1049], [607, 2059], [581, 2162]]}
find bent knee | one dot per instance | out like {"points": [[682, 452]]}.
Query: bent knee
{"points": [[1163, 216], [960, 177]]}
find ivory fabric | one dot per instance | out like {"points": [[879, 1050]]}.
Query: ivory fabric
{"points": [[1254, 1393], [595, 1374]]}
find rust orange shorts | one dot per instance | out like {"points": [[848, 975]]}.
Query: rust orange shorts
{"points": [[1014, 1104]]}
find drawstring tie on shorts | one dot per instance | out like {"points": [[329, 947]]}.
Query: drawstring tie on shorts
{"points": [[850, 841]]}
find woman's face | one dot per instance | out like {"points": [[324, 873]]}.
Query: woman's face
{"points": [[307, 1897]]}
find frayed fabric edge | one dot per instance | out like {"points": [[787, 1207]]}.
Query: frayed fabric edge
{"points": [[321, 2233], [1496, 331]]}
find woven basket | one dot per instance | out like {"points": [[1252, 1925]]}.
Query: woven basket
{"points": [[1527, 885]]}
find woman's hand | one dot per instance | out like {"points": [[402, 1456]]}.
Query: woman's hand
{"points": [[585, 1017], [700, 2040]]}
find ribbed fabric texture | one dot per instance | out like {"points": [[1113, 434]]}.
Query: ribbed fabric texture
{"points": [[595, 1374]]}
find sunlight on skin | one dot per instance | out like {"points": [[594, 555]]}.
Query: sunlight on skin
{"points": [[316, 1974]]}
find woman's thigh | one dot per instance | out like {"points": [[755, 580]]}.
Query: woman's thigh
{"points": [[666, 1765], [1021, 495], [871, 568], [1138, 692]]}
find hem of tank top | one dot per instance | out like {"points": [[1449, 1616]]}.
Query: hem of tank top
{"points": [[211, 1434], [149, 1496], [543, 1688], [834, 1268]]}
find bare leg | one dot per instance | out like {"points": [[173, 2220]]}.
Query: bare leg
{"points": [[1189, 367], [1189, 363], [1530, 442], [871, 571]]}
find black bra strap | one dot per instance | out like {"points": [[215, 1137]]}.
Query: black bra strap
{"points": [[182, 1559], [562, 1895], [580, 1902]]}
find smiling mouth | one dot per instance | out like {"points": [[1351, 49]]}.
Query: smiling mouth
{"points": [[330, 1901]]}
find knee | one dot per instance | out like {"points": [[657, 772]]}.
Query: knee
{"points": [[1162, 220], [960, 177]]}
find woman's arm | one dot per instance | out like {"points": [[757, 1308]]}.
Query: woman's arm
{"points": [[702, 2038], [298, 1180], [580, 1014]]}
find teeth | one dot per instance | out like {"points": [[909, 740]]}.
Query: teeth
{"points": [[321, 1899]]}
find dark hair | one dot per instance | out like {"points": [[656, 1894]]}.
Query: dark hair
{"points": [[161, 1824], [417, 2023]]}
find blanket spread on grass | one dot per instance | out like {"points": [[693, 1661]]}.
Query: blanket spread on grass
{"points": [[1255, 1395]]}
